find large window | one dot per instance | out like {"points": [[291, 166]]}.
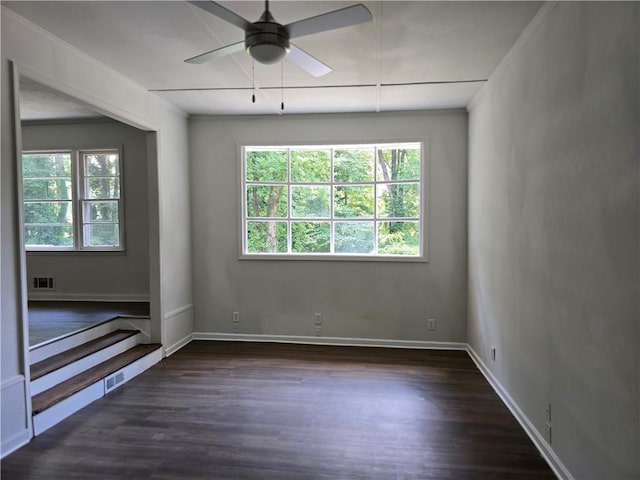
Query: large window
{"points": [[72, 200], [333, 200]]}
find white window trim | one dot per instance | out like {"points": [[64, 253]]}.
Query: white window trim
{"points": [[77, 179], [424, 193]]}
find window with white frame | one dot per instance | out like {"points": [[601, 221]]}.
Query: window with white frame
{"points": [[362, 200], [72, 200]]}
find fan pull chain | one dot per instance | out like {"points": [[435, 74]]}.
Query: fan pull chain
{"points": [[253, 80], [281, 84]]}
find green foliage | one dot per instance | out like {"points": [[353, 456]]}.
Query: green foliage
{"points": [[266, 201], [47, 177], [353, 201], [398, 238], [353, 165], [101, 182], [308, 202], [396, 197], [266, 166], [398, 164], [310, 166], [102, 235], [310, 237], [267, 237], [398, 200], [354, 237], [48, 209]]}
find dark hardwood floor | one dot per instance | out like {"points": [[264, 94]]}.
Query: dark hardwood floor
{"points": [[53, 319], [217, 410]]}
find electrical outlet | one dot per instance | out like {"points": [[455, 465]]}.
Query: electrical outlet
{"points": [[493, 353], [431, 323], [317, 319], [318, 329], [235, 317], [235, 327]]}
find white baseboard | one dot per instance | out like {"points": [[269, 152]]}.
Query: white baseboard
{"points": [[16, 415], [538, 440], [338, 341], [86, 297], [171, 349], [15, 442]]}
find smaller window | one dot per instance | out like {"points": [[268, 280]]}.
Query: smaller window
{"points": [[72, 200]]}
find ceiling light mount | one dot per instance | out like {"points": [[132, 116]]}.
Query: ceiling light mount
{"points": [[268, 41]]}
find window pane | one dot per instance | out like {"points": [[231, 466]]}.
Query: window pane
{"points": [[48, 212], [102, 187], [309, 202], [98, 212], [266, 201], [398, 164], [353, 165], [105, 235], [48, 235], [46, 165], [399, 238], [47, 189], [353, 202], [354, 237], [267, 237], [397, 200], [101, 164], [310, 237], [266, 166], [310, 166]]}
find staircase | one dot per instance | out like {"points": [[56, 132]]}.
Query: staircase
{"points": [[69, 373]]}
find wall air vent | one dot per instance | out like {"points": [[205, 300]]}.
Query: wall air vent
{"points": [[44, 283], [113, 381]]}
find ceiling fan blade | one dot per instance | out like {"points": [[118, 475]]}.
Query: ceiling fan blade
{"points": [[217, 53], [223, 13], [306, 62], [344, 17]]}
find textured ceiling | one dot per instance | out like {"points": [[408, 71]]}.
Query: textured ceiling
{"points": [[414, 55]]}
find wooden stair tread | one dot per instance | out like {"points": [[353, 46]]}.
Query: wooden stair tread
{"points": [[65, 358], [50, 397]]}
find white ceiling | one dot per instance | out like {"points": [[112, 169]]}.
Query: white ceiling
{"points": [[413, 56]]}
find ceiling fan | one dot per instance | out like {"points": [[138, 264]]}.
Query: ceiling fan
{"points": [[267, 41]]}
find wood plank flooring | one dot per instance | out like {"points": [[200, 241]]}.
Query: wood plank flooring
{"points": [[63, 390], [65, 358], [53, 319], [217, 410]]}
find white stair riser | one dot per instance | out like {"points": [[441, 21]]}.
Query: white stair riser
{"points": [[58, 376], [58, 412], [49, 350]]}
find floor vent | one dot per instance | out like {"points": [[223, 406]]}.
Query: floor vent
{"points": [[43, 283], [113, 381]]}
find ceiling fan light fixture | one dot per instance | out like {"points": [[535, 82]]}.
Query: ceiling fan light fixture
{"points": [[267, 47], [267, 53]]}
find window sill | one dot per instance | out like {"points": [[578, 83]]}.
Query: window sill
{"points": [[55, 253], [334, 258]]}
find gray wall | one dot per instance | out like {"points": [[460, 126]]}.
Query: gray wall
{"points": [[104, 275], [47, 60], [554, 232], [381, 300]]}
